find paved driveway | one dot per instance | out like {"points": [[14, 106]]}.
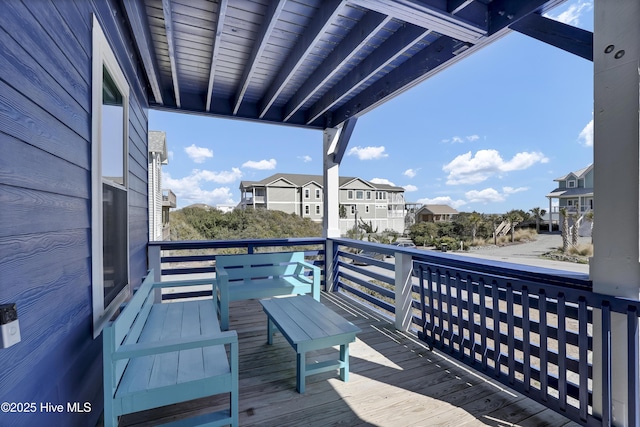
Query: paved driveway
{"points": [[529, 253]]}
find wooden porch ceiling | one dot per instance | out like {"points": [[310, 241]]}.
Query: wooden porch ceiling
{"points": [[317, 63]]}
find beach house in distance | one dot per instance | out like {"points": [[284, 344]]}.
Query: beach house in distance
{"points": [[382, 205], [575, 194]]}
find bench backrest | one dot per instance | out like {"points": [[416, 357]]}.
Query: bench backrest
{"points": [[126, 328], [254, 266]]}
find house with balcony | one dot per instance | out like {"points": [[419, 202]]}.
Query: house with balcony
{"points": [[575, 194], [382, 205], [446, 339]]}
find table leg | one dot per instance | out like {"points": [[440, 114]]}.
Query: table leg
{"points": [[270, 331], [344, 358], [302, 372]]}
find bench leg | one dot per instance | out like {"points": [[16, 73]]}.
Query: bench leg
{"points": [[344, 358], [270, 331], [224, 313], [301, 361]]}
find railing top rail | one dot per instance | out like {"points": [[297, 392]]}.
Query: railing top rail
{"points": [[221, 244]]}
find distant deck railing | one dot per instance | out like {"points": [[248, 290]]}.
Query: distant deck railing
{"points": [[532, 329]]}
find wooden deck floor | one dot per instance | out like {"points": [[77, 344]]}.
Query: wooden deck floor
{"points": [[394, 381]]}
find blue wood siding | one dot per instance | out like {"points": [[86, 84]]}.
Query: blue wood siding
{"points": [[45, 194]]}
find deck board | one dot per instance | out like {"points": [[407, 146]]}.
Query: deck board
{"points": [[395, 380]]}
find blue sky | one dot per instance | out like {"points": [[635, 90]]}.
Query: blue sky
{"points": [[489, 133]]}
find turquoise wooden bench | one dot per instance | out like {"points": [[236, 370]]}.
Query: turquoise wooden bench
{"points": [[241, 277], [156, 354], [309, 325]]}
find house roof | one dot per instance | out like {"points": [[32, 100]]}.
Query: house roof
{"points": [[438, 209], [571, 192], [580, 173], [317, 63], [301, 180], [158, 143]]}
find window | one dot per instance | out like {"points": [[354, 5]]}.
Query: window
{"points": [[571, 184], [109, 186], [366, 208], [306, 209], [318, 194], [306, 193], [317, 209], [359, 194], [368, 195], [350, 194], [353, 209]]}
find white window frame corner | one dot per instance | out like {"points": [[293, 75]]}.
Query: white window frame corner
{"points": [[103, 56]]}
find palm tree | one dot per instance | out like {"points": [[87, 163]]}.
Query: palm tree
{"points": [[565, 230], [514, 217], [589, 217], [574, 229], [538, 213], [475, 219]]}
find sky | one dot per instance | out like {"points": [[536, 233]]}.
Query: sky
{"points": [[488, 134]]}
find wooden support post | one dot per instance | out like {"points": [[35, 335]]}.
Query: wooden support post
{"points": [[615, 266], [403, 300]]}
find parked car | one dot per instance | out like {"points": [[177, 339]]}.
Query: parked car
{"points": [[404, 244], [368, 254]]}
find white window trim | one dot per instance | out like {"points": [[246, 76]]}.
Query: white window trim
{"points": [[307, 193], [307, 210], [318, 194], [103, 56]]}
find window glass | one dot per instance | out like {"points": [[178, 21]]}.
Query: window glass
{"points": [[112, 130]]}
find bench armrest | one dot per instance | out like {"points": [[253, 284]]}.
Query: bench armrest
{"points": [[315, 285], [129, 351]]}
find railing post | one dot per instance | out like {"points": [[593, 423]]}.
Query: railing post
{"points": [[329, 267], [154, 261], [403, 284]]}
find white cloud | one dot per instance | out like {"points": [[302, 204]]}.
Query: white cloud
{"points": [[443, 200], [460, 139], [190, 189], [574, 12], [411, 173], [586, 135], [381, 181], [305, 159], [198, 154], [511, 190], [468, 169], [224, 177], [410, 188], [489, 195], [484, 196], [368, 153], [262, 164]]}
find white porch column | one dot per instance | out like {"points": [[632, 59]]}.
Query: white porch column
{"points": [[331, 184], [615, 266], [331, 205], [550, 216]]}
